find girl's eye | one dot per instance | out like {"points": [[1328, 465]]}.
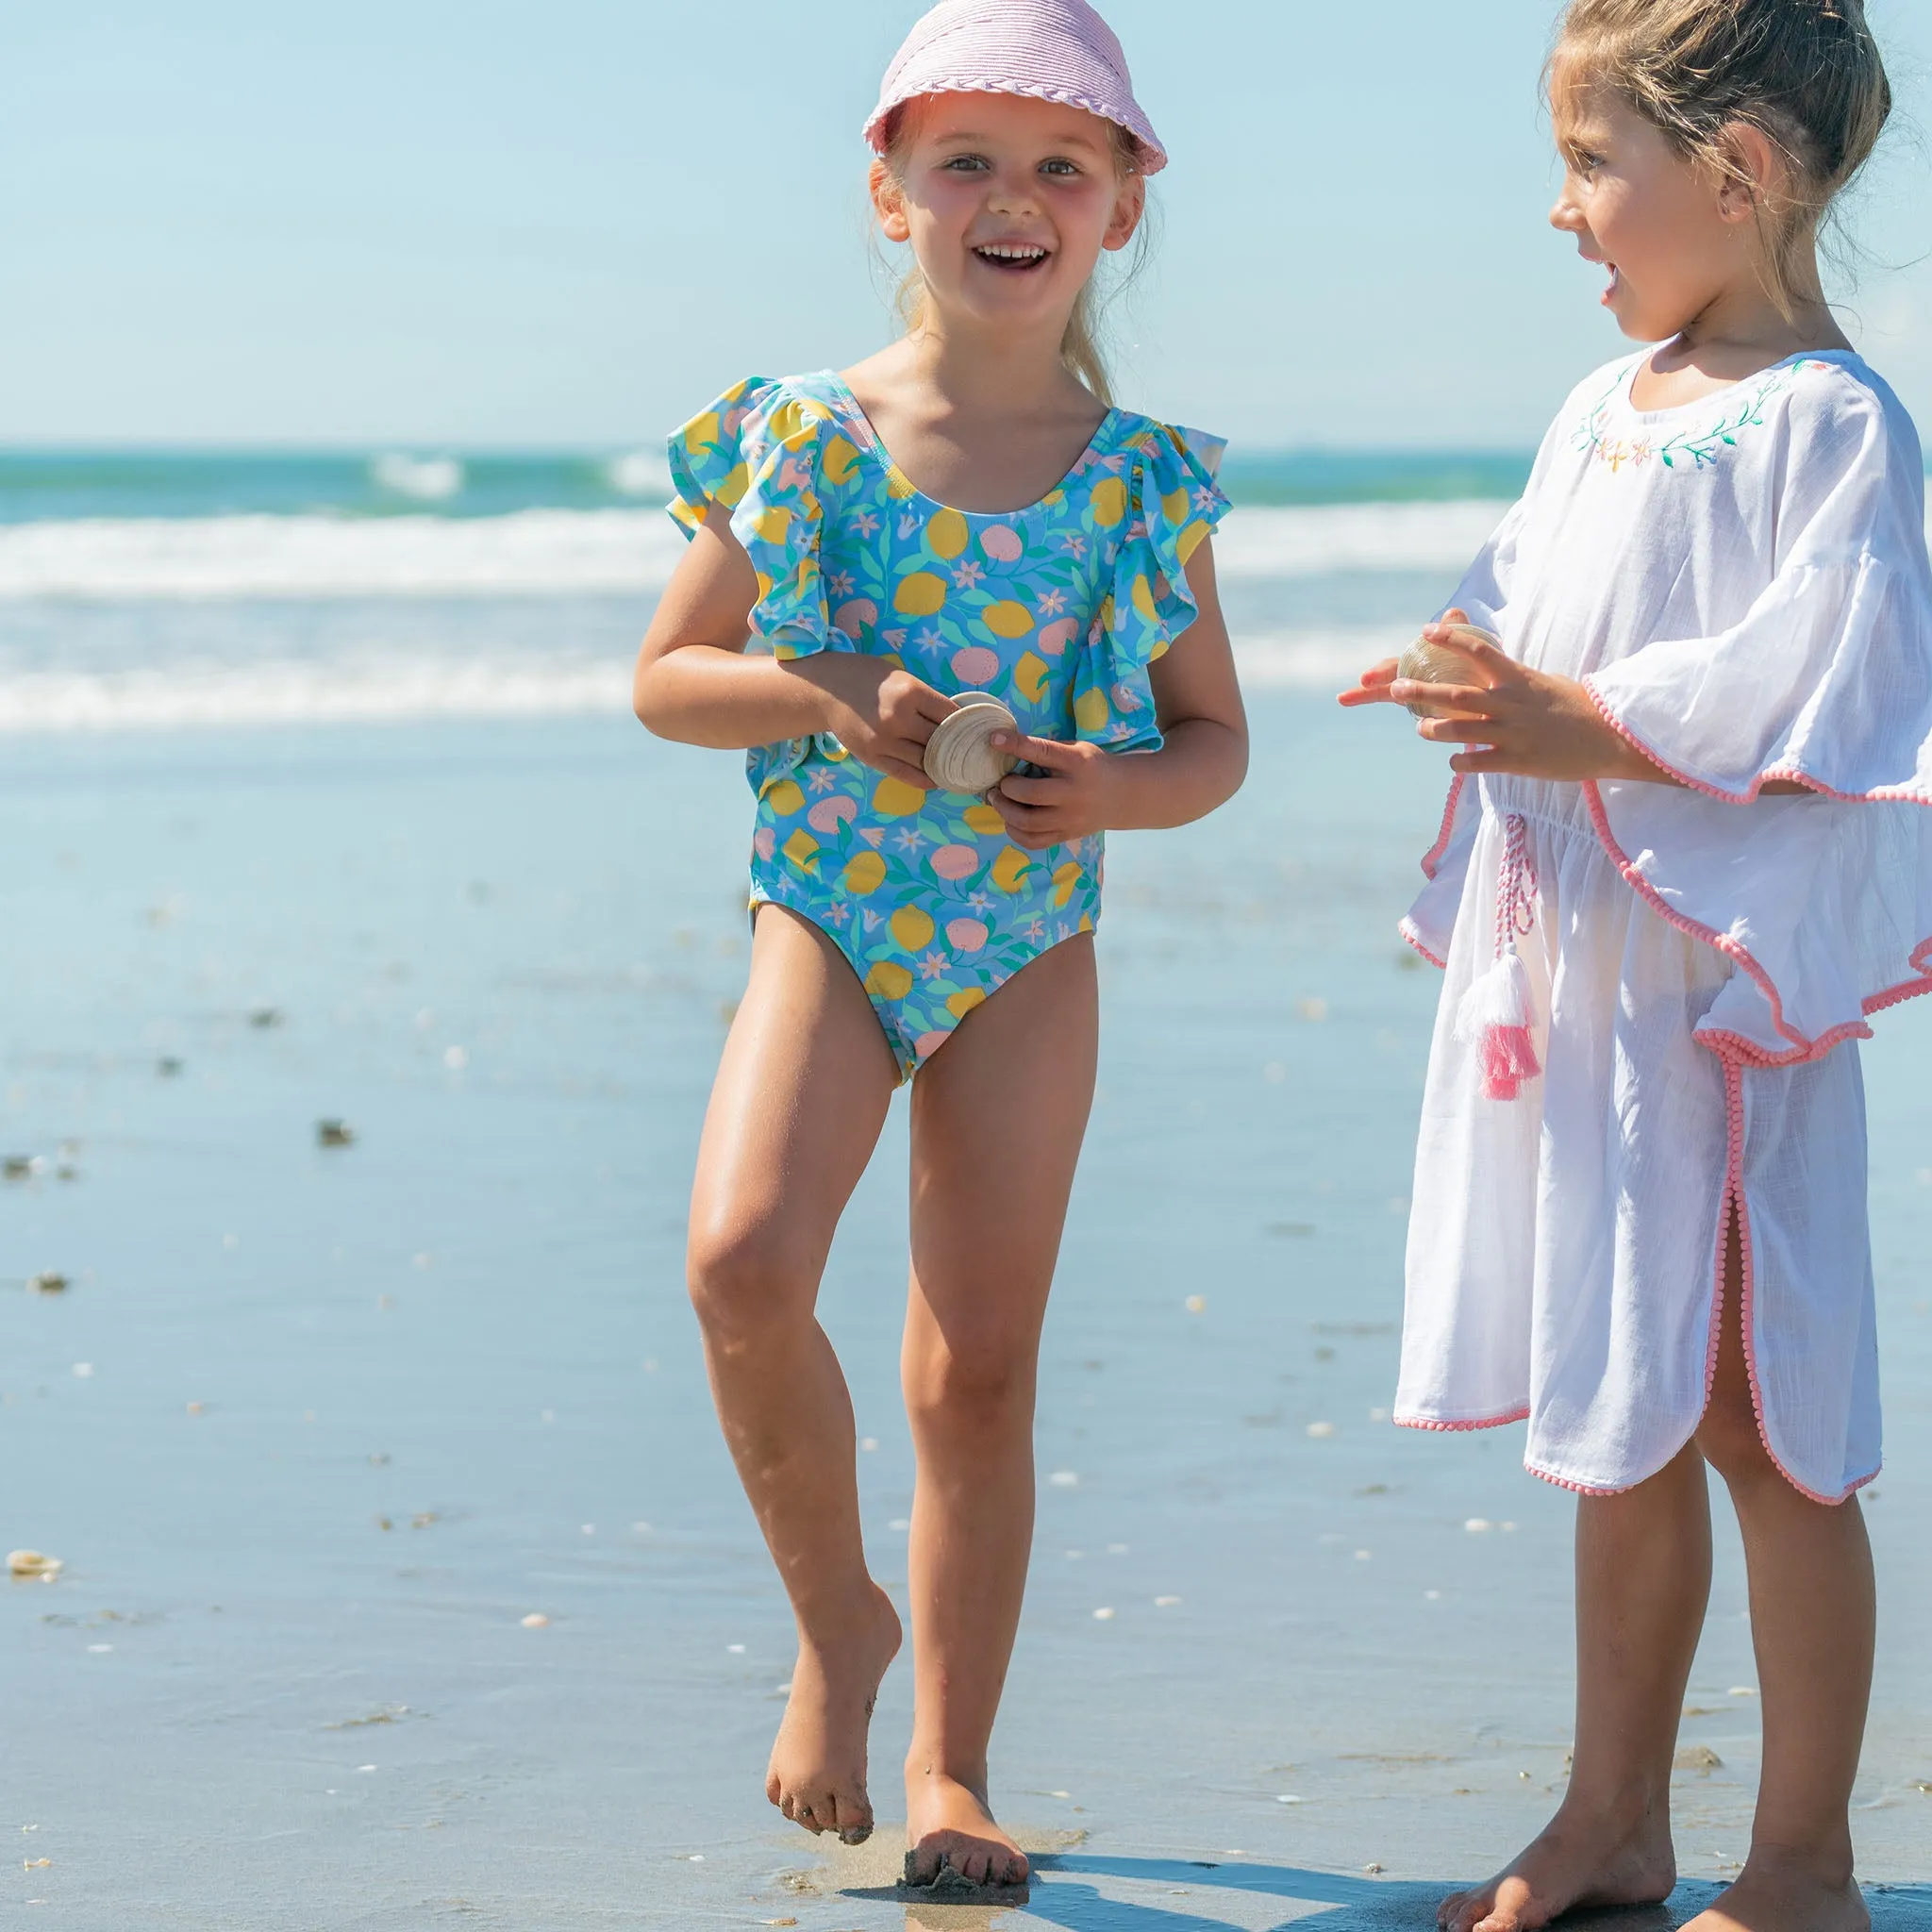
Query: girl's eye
{"points": [[1061, 167], [964, 164], [1585, 164]]}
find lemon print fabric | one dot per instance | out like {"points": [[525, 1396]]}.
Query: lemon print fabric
{"points": [[1059, 609]]}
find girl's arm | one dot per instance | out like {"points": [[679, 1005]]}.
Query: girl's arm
{"points": [[695, 682], [1525, 722], [1200, 767]]}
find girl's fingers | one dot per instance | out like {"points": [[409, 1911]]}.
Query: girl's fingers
{"points": [[909, 772], [1045, 752], [1471, 764], [1482, 651], [1470, 700], [1457, 730], [1366, 695], [1034, 792]]}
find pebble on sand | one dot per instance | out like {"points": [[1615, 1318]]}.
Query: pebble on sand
{"points": [[1320, 1432], [334, 1134], [1697, 1758], [48, 1283], [1196, 1304], [536, 1621], [1103, 1616], [1064, 1479], [30, 1566]]}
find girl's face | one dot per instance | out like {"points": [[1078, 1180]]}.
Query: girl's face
{"points": [[1009, 203], [1675, 239]]}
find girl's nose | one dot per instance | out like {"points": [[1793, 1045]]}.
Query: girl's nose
{"points": [[1566, 216]]}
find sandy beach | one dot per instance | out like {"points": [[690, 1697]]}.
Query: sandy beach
{"points": [[405, 1578]]}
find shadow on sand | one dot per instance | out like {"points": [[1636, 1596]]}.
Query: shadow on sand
{"points": [[1332, 1902]]}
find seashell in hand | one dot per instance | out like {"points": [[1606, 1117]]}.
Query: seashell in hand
{"points": [[960, 757], [1430, 663]]}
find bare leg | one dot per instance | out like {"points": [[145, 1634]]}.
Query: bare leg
{"points": [[1814, 1616], [800, 1099], [998, 1117], [1642, 1583]]}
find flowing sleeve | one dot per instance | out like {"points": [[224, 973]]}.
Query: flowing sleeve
{"points": [[1823, 903], [1171, 505], [759, 453]]}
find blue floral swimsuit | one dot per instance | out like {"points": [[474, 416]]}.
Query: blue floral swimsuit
{"points": [[1058, 610]]}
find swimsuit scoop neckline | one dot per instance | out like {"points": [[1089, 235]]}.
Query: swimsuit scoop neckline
{"points": [[853, 412]]}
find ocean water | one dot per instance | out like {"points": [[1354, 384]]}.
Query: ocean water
{"points": [[321, 805]]}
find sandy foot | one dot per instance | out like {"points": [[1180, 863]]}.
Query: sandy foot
{"points": [[817, 1771], [1572, 1864], [949, 1824], [1778, 1892]]}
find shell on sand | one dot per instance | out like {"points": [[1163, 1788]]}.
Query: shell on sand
{"points": [[960, 757], [1428, 663], [31, 1566]]}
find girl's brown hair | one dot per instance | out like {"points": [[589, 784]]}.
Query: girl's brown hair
{"points": [[1807, 73], [1081, 349]]}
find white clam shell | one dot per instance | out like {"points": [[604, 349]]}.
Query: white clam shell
{"points": [[1428, 663], [29, 1565], [960, 757]]}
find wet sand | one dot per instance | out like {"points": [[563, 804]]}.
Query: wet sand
{"points": [[352, 1414]]}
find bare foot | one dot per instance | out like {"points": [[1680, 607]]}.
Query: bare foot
{"points": [[817, 1776], [948, 1823], [1577, 1863], [1781, 1891]]}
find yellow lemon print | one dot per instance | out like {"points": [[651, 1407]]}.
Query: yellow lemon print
{"points": [[802, 849], [866, 873], [1109, 500], [895, 799], [922, 595], [1143, 600], [1029, 677], [793, 422], [948, 535], [1086, 921], [1010, 869], [731, 491], [1110, 617], [912, 928], [897, 488], [785, 797], [1064, 880], [984, 820], [1191, 539], [840, 457], [964, 1002], [887, 981], [1174, 508], [1091, 713], [771, 525], [702, 433], [1007, 620]]}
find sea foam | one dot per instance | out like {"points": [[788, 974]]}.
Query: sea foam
{"points": [[538, 553]]}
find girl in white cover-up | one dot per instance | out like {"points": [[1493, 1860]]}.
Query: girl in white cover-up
{"points": [[1688, 858]]}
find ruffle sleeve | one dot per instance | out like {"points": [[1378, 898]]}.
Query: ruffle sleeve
{"points": [[758, 452], [1170, 504], [1823, 903]]}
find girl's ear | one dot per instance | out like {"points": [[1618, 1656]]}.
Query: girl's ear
{"points": [[889, 204], [1758, 178], [1129, 209]]}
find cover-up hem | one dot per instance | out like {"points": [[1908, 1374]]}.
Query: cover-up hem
{"points": [[1460, 1425], [1735, 1045], [1412, 933], [1784, 773]]}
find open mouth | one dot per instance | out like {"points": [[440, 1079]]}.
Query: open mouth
{"points": [[1014, 258]]}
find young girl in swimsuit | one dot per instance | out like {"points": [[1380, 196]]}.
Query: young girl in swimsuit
{"points": [[1687, 855], [964, 512]]}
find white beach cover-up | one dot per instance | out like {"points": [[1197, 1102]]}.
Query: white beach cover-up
{"points": [[1742, 586]]}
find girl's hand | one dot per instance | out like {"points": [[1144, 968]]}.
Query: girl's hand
{"points": [[1072, 800], [1520, 720], [882, 715]]}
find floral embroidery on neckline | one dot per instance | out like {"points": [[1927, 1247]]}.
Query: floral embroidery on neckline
{"points": [[1742, 408]]}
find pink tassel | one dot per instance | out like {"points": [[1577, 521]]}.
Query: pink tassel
{"points": [[1495, 1019]]}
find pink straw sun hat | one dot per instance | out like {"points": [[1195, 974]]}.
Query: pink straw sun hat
{"points": [[1049, 50]]}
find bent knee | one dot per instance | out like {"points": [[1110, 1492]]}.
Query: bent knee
{"points": [[1730, 1441], [747, 1279]]}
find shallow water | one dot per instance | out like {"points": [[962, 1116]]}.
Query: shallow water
{"points": [[502, 953]]}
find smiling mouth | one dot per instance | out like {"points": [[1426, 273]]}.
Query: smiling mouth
{"points": [[1014, 258]]}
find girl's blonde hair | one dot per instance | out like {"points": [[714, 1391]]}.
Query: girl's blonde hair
{"points": [[1082, 349], [1807, 73]]}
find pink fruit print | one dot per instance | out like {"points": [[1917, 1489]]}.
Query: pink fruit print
{"points": [[967, 935], [856, 618], [1055, 637], [1003, 543], [828, 814], [975, 666], [766, 843], [957, 862]]}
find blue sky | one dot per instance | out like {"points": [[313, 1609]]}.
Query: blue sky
{"points": [[540, 222]]}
